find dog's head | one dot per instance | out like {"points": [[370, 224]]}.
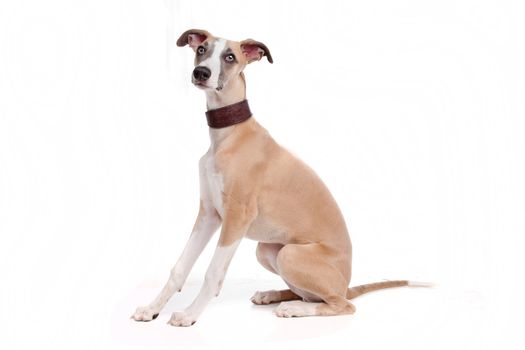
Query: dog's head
{"points": [[218, 60]]}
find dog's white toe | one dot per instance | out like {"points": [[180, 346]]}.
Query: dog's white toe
{"points": [[144, 314], [181, 319], [295, 308], [265, 298]]}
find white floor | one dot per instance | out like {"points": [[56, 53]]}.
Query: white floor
{"points": [[403, 318]]}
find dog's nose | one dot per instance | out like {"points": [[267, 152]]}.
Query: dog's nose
{"points": [[201, 73]]}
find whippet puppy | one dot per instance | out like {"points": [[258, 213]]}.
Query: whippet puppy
{"points": [[254, 188]]}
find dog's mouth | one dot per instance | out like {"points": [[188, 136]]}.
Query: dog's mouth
{"points": [[200, 84], [204, 86]]}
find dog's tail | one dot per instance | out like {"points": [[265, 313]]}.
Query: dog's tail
{"points": [[354, 292]]}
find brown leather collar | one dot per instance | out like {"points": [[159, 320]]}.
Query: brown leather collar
{"points": [[228, 115]]}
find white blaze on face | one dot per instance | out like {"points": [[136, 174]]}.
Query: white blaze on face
{"points": [[213, 63]]}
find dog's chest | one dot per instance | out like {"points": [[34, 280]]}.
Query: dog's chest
{"points": [[214, 185]]}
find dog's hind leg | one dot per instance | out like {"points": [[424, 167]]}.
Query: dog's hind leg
{"points": [[267, 256], [273, 296], [308, 268]]}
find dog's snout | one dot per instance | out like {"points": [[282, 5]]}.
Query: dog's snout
{"points": [[201, 73]]}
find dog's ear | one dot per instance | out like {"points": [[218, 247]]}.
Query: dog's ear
{"points": [[193, 37], [254, 50]]}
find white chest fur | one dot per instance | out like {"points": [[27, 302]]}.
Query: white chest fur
{"points": [[213, 185]]}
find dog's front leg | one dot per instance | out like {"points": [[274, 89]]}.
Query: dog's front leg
{"points": [[233, 229], [207, 222]]}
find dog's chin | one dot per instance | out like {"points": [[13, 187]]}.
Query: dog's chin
{"points": [[204, 86]]}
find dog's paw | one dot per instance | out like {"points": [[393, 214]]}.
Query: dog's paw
{"points": [[265, 298], [295, 308], [181, 319], [144, 314]]}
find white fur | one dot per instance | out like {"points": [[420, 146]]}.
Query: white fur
{"points": [[204, 229], [211, 287], [266, 297], [214, 182], [210, 176], [296, 308], [211, 188], [206, 224], [421, 284], [213, 63]]}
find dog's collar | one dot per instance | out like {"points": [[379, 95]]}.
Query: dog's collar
{"points": [[228, 115]]}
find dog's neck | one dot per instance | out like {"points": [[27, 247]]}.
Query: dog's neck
{"points": [[233, 92]]}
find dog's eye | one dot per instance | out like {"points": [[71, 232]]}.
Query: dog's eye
{"points": [[201, 50], [230, 58]]}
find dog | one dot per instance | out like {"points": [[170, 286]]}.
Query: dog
{"points": [[252, 187]]}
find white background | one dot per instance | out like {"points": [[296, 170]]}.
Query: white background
{"points": [[411, 111]]}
